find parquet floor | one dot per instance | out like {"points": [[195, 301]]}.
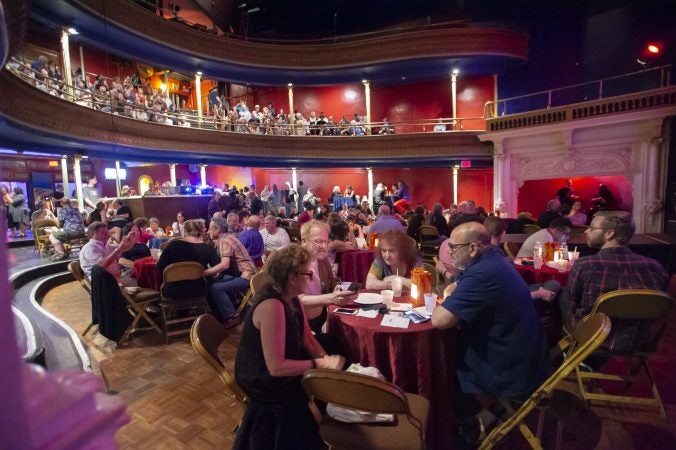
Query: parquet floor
{"points": [[175, 400]]}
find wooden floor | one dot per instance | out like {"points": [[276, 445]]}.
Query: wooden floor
{"points": [[176, 400]]}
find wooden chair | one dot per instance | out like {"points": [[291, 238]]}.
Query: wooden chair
{"points": [[256, 284], [429, 237], [193, 306], [582, 342], [206, 336], [76, 270], [40, 236], [294, 234], [365, 393], [650, 310], [510, 248], [530, 228], [137, 304]]}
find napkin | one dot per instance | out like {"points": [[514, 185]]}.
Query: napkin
{"points": [[390, 320], [401, 307], [370, 314]]}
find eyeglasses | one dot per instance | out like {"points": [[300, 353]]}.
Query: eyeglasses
{"points": [[319, 242], [590, 229], [454, 247], [309, 274]]}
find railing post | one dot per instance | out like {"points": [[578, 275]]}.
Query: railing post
{"points": [[600, 89], [549, 99]]}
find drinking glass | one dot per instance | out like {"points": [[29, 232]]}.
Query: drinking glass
{"points": [[430, 302], [397, 285]]}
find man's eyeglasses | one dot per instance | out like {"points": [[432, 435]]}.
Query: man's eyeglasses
{"points": [[454, 247], [319, 242], [309, 274], [590, 229]]}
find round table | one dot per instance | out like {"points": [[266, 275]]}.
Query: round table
{"points": [[354, 265], [146, 273], [531, 275], [418, 359]]}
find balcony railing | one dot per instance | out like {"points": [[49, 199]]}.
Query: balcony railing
{"points": [[189, 118], [644, 80]]}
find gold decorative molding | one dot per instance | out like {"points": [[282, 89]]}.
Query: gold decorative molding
{"points": [[433, 43], [48, 115]]}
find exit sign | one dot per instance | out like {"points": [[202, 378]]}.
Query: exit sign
{"points": [[465, 163]]}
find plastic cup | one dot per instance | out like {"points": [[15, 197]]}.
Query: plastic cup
{"points": [[388, 297], [430, 302], [155, 253], [561, 264], [397, 285], [537, 262]]}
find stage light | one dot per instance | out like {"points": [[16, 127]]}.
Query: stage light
{"points": [[654, 49]]}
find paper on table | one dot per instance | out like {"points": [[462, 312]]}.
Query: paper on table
{"points": [[402, 307], [422, 311], [390, 320], [368, 314]]}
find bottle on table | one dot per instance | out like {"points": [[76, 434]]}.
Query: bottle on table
{"points": [[537, 255]]}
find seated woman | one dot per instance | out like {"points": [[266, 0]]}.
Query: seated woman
{"points": [[396, 254], [576, 215], [276, 348], [191, 247], [177, 227], [158, 234], [121, 215], [340, 238]]}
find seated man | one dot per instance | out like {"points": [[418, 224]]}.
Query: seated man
{"points": [[73, 228], [502, 351], [274, 238], [98, 252], [386, 221], [237, 268], [252, 240], [557, 231], [613, 267]]}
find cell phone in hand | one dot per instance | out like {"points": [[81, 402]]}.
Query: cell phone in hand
{"points": [[354, 287], [348, 311]]}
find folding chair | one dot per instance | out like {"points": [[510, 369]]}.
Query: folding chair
{"points": [[136, 305], [530, 228], [190, 307], [40, 236], [76, 270], [294, 234], [648, 310], [256, 284], [365, 393], [429, 248], [510, 248], [206, 336], [581, 343]]}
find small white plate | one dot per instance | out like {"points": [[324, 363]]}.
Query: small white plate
{"points": [[369, 298]]}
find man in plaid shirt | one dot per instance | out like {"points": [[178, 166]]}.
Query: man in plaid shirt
{"points": [[613, 267]]}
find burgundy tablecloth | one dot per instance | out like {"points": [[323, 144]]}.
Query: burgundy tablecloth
{"points": [[532, 275], [354, 266], [418, 359], [146, 273]]}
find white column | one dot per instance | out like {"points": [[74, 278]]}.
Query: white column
{"points": [[290, 86], [64, 175], [117, 178], [78, 181], [456, 169], [65, 56], [203, 175], [82, 67], [172, 174], [198, 93], [369, 172], [294, 178], [367, 97], [454, 96]]}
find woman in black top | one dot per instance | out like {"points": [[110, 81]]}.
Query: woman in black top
{"points": [[191, 247], [275, 349], [438, 220]]}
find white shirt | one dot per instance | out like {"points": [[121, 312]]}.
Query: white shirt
{"points": [[275, 241], [91, 253]]}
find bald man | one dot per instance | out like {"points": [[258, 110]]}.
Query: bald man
{"points": [[252, 240], [502, 351]]}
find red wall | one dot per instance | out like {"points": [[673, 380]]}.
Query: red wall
{"points": [[472, 95], [534, 194], [334, 101]]}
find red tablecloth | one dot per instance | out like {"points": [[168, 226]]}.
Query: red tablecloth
{"points": [[354, 266], [146, 273], [532, 275], [419, 359]]}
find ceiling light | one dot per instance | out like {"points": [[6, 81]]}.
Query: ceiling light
{"points": [[290, 84], [455, 71], [72, 30], [199, 73]]}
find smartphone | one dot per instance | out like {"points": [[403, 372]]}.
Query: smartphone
{"points": [[348, 311], [354, 287], [415, 316]]}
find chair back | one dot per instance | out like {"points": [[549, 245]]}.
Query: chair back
{"points": [[44, 223], [511, 248], [530, 228], [641, 304], [206, 335], [428, 233], [353, 390], [583, 341], [76, 270], [434, 275], [294, 234], [183, 271]]}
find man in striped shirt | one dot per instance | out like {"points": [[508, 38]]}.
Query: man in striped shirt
{"points": [[613, 267]]}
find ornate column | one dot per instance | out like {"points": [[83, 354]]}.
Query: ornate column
{"points": [[369, 173], [454, 97], [456, 169], [117, 178], [65, 56], [82, 67], [290, 86], [653, 204], [499, 203], [294, 178], [78, 180], [64, 175], [367, 97], [172, 174], [198, 93]]}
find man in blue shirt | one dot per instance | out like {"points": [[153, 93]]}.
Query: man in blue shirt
{"points": [[386, 221], [501, 347]]}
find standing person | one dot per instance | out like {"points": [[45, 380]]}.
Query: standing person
{"points": [[289, 195], [265, 198], [275, 197], [302, 191], [18, 211], [566, 194], [603, 200], [237, 269], [214, 205], [502, 351], [252, 239], [386, 221], [6, 201], [614, 267], [276, 348], [90, 195]]}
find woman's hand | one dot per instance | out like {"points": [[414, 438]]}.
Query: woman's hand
{"points": [[342, 298], [330, 362]]}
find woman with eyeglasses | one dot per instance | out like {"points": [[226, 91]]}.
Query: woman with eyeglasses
{"points": [[276, 348], [323, 288], [397, 253]]}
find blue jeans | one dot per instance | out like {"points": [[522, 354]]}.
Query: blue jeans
{"points": [[223, 291]]}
